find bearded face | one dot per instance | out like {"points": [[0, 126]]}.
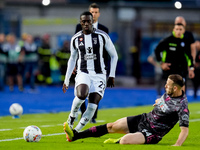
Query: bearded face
{"points": [[169, 88]]}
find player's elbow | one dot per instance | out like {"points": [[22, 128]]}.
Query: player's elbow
{"points": [[115, 57], [185, 130]]}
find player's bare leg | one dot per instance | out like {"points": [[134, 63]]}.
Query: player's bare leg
{"points": [[81, 94], [93, 101], [119, 126]]}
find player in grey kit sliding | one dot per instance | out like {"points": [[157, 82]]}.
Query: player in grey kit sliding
{"points": [[147, 128]]}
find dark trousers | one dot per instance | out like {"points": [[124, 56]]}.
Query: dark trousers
{"points": [[196, 81]]}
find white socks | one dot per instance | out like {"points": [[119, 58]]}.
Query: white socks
{"points": [[88, 114], [75, 106]]}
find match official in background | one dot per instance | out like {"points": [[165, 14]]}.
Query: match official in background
{"points": [[95, 10], [176, 54], [188, 36]]}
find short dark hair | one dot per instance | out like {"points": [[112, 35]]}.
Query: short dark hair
{"points": [[94, 5], [180, 24], [87, 13], [177, 79]]}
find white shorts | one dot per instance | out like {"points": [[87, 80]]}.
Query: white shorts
{"points": [[95, 82]]}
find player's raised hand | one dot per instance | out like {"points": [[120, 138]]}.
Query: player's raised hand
{"points": [[111, 82], [64, 88], [156, 101]]}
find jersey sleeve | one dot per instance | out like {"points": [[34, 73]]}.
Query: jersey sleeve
{"points": [[184, 115], [188, 56], [109, 46], [159, 49], [71, 62]]}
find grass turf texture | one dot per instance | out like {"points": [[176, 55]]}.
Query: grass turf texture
{"points": [[52, 124]]}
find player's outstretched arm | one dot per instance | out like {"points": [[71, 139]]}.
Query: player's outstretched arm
{"points": [[182, 136]]}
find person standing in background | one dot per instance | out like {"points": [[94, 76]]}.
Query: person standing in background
{"points": [[31, 60], [176, 54], [95, 10], [15, 62], [188, 36], [3, 61], [44, 52], [196, 79], [62, 55]]}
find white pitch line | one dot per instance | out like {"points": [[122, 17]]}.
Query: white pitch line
{"points": [[5, 129], [99, 121], [54, 134], [10, 139], [60, 124], [6, 140], [194, 120], [46, 126]]}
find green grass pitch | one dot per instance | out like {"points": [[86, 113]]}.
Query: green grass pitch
{"points": [[11, 132]]}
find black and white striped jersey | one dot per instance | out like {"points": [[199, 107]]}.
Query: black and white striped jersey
{"points": [[87, 50]]}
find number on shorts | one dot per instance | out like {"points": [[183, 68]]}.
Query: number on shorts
{"points": [[102, 85]]}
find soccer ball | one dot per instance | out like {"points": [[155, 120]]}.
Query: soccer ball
{"points": [[32, 134], [16, 109]]}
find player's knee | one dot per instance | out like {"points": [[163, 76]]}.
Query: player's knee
{"points": [[124, 141], [132, 138], [82, 91], [110, 128], [82, 95]]}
